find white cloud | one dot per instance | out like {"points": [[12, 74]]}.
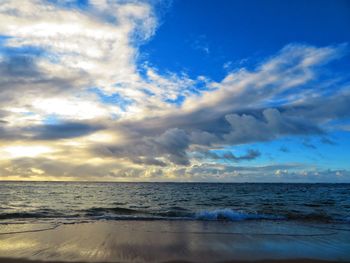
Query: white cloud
{"points": [[150, 136], [74, 108], [16, 151]]}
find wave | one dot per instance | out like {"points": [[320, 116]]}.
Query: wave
{"points": [[116, 210], [24, 215], [16, 215], [172, 213], [130, 213], [231, 215], [42, 213], [178, 213]]}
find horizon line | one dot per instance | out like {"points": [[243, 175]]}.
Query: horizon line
{"points": [[171, 182]]}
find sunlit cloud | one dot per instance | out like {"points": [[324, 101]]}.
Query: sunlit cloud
{"points": [[79, 109], [77, 103], [17, 151]]}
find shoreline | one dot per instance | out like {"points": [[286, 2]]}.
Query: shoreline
{"points": [[177, 241], [22, 260]]}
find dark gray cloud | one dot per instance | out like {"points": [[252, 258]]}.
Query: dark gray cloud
{"points": [[308, 144], [18, 66], [272, 124], [22, 80], [148, 161], [155, 137], [250, 155], [10, 133], [57, 131], [322, 109], [171, 145], [328, 141], [62, 130], [229, 156], [174, 143], [284, 149]]}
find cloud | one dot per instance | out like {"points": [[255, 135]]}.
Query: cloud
{"points": [[60, 61], [229, 156], [210, 172], [79, 49], [217, 125], [200, 43], [62, 130], [328, 141], [148, 161], [284, 149], [171, 145], [247, 128], [48, 169], [308, 144], [269, 173]]}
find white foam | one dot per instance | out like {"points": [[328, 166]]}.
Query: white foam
{"points": [[231, 215]]}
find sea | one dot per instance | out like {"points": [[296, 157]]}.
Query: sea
{"points": [[71, 202]]}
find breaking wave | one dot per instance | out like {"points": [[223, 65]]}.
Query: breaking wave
{"points": [[173, 213]]}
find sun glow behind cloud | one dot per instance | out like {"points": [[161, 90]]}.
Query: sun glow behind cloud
{"points": [[77, 103], [18, 151], [74, 108]]}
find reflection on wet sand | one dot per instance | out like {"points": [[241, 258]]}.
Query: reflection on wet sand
{"points": [[194, 241]]}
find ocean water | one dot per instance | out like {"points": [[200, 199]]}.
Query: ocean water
{"points": [[79, 202]]}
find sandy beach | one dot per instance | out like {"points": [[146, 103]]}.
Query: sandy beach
{"points": [[11, 260], [175, 241]]}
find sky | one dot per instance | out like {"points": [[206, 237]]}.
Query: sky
{"points": [[180, 91]]}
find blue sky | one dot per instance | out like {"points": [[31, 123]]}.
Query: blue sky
{"points": [[200, 37], [253, 91]]}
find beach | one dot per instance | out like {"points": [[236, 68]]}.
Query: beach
{"points": [[176, 241], [165, 222], [163, 131]]}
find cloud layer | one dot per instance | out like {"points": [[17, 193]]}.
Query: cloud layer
{"points": [[76, 104]]}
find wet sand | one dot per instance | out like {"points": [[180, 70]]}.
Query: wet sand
{"points": [[175, 241], [11, 260]]}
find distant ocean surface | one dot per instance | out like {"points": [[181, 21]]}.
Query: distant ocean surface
{"points": [[76, 202]]}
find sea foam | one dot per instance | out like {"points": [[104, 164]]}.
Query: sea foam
{"points": [[231, 215]]}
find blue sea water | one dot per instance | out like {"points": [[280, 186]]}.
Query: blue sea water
{"points": [[77, 201]]}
